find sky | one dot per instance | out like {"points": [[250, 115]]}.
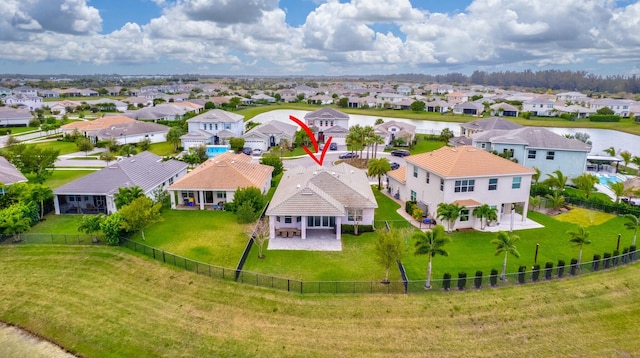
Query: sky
{"points": [[318, 37]]}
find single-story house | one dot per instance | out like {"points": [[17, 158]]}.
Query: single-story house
{"points": [[214, 182], [320, 200], [470, 108], [504, 109], [9, 174], [94, 193], [270, 134], [15, 117], [123, 129]]}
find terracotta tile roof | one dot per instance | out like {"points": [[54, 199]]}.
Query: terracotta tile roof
{"points": [[466, 161], [399, 174], [97, 124], [467, 203], [227, 171]]}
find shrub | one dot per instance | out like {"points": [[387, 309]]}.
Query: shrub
{"points": [[595, 265], [606, 262], [35, 122], [493, 278], [462, 280], [535, 273], [522, 270], [574, 267], [560, 268], [273, 161], [604, 118], [446, 281], [351, 229], [408, 206], [548, 268], [246, 213], [477, 281]]}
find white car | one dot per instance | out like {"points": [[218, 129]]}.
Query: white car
{"points": [[257, 152]]}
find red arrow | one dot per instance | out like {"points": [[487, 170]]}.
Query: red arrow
{"points": [[313, 140]]}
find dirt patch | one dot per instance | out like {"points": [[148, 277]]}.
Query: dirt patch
{"points": [[20, 343]]}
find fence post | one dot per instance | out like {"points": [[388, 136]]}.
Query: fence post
{"points": [[163, 257], [288, 285], [154, 253]]}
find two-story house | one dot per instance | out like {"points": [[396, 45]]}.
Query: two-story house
{"points": [[328, 122], [619, 107], [541, 107], [392, 130], [213, 127], [467, 176], [23, 100]]}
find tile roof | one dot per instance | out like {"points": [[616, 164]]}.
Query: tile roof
{"points": [[326, 113], [198, 134], [466, 161], [133, 128], [491, 123], [97, 124], [15, 113], [322, 191], [533, 137], [467, 203], [399, 174], [216, 116], [145, 170], [9, 174], [227, 171]]}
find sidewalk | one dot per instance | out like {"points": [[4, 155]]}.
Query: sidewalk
{"points": [[404, 214]]}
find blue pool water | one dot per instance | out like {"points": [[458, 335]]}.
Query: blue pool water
{"points": [[607, 180], [213, 150]]}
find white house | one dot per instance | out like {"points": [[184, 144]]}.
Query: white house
{"points": [[24, 100], [213, 127], [541, 107], [123, 129], [14, 116], [328, 122], [391, 130], [467, 176], [270, 134], [318, 200], [619, 107]]}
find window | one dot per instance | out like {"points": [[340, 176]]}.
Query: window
{"points": [[415, 171], [170, 180], [532, 154], [515, 184], [288, 220], [216, 126], [441, 184], [355, 215], [551, 155], [413, 195], [464, 214], [428, 178], [463, 186], [277, 218], [227, 126], [493, 184], [483, 145], [221, 195], [298, 219]]}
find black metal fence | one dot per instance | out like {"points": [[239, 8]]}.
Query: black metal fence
{"points": [[53, 239]]}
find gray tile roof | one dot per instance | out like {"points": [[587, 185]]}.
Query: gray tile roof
{"points": [[491, 123], [275, 127], [13, 113], [133, 128], [216, 116], [326, 113], [197, 135], [532, 137], [145, 170], [9, 174], [322, 191]]}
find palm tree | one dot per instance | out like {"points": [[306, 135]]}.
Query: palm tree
{"points": [[636, 161], [579, 237], [619, 190], [378, 167], [450, 213], [557, 180], [611, 151], [40, 194], [505, 242], [535, 201], [633, 222], [626, 158], [557, 200], [126, 195], [173, 137], [483, 212], [15, 224], [586, 182], [431, 243], [368, 134], [376, 140], [537, 175]]}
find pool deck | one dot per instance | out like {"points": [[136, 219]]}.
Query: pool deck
{"points": [[605, 189]]}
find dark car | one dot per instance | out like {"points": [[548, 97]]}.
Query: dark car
{"points": [[348, 155], [400, 153], [333, 146], [394, 165], [247, 150]]}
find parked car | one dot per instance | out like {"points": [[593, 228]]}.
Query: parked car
{"points": [[333, 146], [394, 165], [400, 153], [348, 155], [247, 150], [257, 151]]}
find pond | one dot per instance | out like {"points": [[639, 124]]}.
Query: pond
{"points": [[19, 343], [600, 138]]}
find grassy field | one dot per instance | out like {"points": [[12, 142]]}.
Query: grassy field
{"points": [[162, 149], [61, 177], [64, 147], [212, 237], [105, 302], [58, 224]]}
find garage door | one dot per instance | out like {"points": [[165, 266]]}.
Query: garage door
{"points": [[255, 144]]}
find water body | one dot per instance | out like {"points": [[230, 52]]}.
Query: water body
{"points": [[15, 342], [600, 138]]}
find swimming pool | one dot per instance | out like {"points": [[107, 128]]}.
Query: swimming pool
{"points": [[213, 150], [608, 179]]}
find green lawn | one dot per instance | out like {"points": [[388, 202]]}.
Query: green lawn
{"points": [[207, 236], [162, 149], [64, 147], [61, 177], [107, 302], [58, 224], [19, 130]]}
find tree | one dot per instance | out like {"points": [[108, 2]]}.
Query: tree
{"points": [[260, 235], [128, 150], [236, 144], [557, 199], [556, 180], [619, 190], [611, 151], [32, 159], [111, 226], [605, 110], [343, 102], [535, 201], [378, 167], [144, 144], [107, 157], [209, 105], [273, 161], [302, 138], [505, 243], [586, 182], [536, 176], [446, 134], [126, 195], [379, 121], [417, 106], [13, 223], [626, 158], [355, 138], [390, 247], [431, 243], [173, 137], [40, 194], [449, 213], [139, 214], [91, 224], [633, 223], [579, 237], [11, 140], [84, 145], [483, 212], [376, 140], [253, 200], [636, 161]]}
